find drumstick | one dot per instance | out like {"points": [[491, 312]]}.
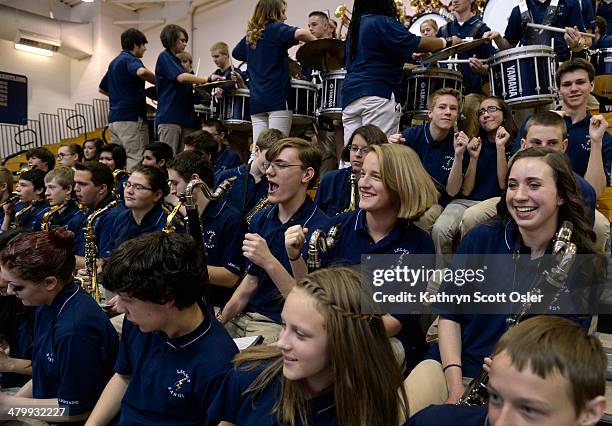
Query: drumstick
{"points": [[460, 61], [197, 67], [556, 30]]}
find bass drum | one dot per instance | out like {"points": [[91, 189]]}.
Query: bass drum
{"points": [[415, 24], [496, 14]]}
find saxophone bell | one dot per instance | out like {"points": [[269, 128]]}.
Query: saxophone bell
{"points": [[319, 240]]}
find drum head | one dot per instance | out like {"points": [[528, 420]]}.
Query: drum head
{"points": [[415, 26], [496, 14]]}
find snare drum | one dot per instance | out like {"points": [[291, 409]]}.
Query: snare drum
{"points": [[524, 76], [234, 110], [602, 61], [303, 101], [422, 82], [331, 96], [203, 112]]}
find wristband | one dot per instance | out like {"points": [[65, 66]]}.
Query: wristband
{"points": [[451, 365]]}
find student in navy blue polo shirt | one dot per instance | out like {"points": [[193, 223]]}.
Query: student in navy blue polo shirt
{"points": [[41, 159], [377, 47], [91, 149], [74, 343], [115, 158], [602, 39], [173, 354], [59, 184], [93, 185], [335, 189], [440, 149], [145, 190], [528, 386], [394, 190], [332, 364], [251, 186], [468, 24], [223, 158], [157, 154], [485, 175], [604, 9], [223, 227], [175, 114], [265, 49], [291, 167], [29, 211], [541, 193], [568, 16], [124, 84]]}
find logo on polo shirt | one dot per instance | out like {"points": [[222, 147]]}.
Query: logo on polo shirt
{"points": [[176, 390], [401, 250], [50, 357], [447, 162], [586, 144], [209, 238]]}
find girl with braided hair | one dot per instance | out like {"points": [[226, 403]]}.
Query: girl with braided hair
{"points": [[319, 372]]}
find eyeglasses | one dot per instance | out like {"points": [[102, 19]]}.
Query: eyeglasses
{"points": [[62, 155], [279, 166], [136, 186], [356, 149], [490, 109]]}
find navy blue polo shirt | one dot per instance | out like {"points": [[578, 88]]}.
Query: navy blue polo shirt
{"points": [[225, 159], [125, 89], [437, 156], [268, 67], [20, 340], [334, 191], [125, 227], [605, 11], [223, 229], [255, 192], [588, 15], [103, 227], [66, 215], [32, 218], [568, 15], [472, 81], [172, 380], [74, 350], [383, 47], [267, 300], [450, 415], [175, 104], [233, 405], [479, 333], [486, 184], [605, 42], [579, 146]]}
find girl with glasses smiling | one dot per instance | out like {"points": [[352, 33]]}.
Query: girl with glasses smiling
{"points": [[334, 191]]}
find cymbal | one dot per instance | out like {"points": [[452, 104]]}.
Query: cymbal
{"points": [[203, 92], [151, 93], [603, 86], [215, 84], [453, 50], [324, 54]]}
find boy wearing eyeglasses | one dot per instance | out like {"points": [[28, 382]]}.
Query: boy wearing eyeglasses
{"points": [[440, 149], [292, 166]]}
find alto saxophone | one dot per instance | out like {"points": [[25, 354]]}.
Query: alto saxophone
{"points": [[564, 252], [45, 224], [17, 222], [261, 204], [91, 251], [116, 176], [171, 215], [321, 241], [354, 194]]}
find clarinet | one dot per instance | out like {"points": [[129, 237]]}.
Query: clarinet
{"points": [[564, 252]]}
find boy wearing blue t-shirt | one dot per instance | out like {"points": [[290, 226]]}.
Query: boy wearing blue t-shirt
{"points": [[173, 354]]}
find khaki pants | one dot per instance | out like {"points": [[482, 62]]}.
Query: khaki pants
{"points": [[253, 324], [174, 135], [426, 221], [133, 136], [384, 113]]}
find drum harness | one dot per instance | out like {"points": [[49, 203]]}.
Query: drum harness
{"points": [[535, 36]]}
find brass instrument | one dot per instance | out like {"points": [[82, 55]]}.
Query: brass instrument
{"points": [[401, 12], [91, 251], [116, 176], [45, 224], [344, 15], [17, 222], [564, 251], [261, 204], [171, 216], [321, 241], [354, 194]]}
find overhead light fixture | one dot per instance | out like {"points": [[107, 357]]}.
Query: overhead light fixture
{"points": [[87, 1], [32, 49], [36, 43]]}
